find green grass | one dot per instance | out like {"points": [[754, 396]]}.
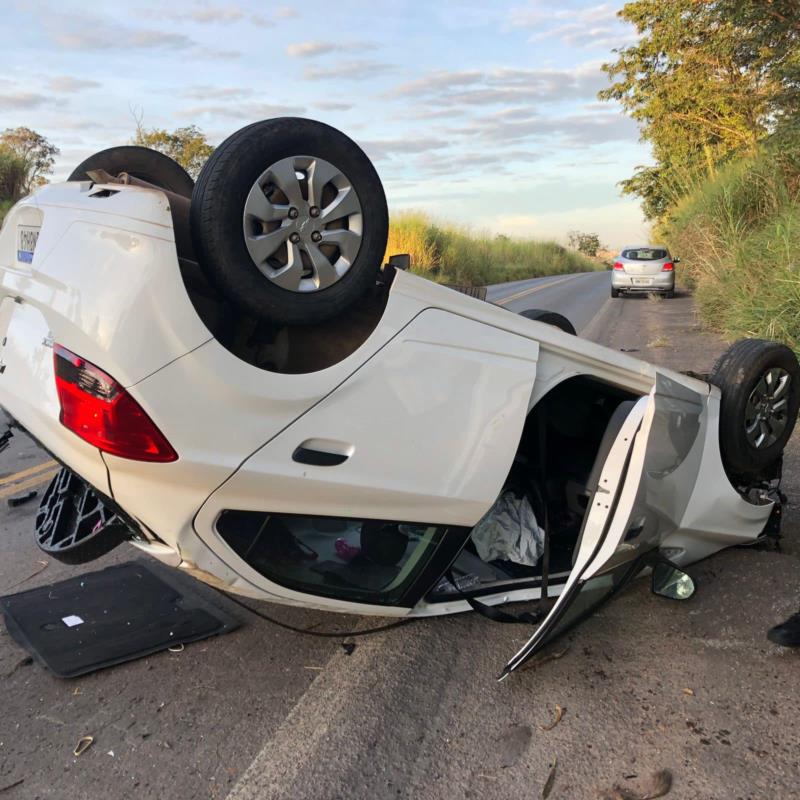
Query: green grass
{"points": [[738, 236], [450, 254], [5, 205]]}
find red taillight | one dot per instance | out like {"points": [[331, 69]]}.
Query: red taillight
{"points": [[618, 265], [96, 408], [667, 267]]}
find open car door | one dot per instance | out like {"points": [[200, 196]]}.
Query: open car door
{"points": [[640, 497]]}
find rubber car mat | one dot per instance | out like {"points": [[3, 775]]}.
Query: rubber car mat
{"points": [[103, 618]]}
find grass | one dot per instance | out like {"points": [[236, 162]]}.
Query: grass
{"points": [[738, 235], [5, 205], [450, 254]]}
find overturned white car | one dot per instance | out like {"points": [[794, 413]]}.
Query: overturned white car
{"points": [[233, 384]]}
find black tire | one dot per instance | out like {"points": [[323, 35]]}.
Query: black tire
{"points": [[669, 295], [217, 219], [549, 318], [614, 292], [139, 162], [73, 525], [737, 373]]}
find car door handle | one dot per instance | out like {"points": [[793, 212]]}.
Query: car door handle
{"points": [[322, 452]]}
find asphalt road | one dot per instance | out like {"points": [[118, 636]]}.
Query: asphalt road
{"points": [[578, 297], [416, 712]]}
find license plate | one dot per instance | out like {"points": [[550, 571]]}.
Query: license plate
{"points": [[643, 281], [27, 236]]}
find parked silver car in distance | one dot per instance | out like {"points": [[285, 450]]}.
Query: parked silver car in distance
{"points": [[644, 268]]}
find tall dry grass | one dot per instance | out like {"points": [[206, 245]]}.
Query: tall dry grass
{"points": [[450, 254], [738, 235]]}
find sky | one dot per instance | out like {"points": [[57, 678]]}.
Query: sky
{"points": [[480, 113]]}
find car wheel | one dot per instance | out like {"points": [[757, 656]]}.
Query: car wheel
{"points": [[760, 385], [549, 318], [614, 292], [670, 294], [289, 220], [139, 162], [73, 525]]}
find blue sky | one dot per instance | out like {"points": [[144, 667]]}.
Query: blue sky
{"points": [[480, 113]]}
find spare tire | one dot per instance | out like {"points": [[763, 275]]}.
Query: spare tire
{"points": [[549, 318], [289, 221], [139, 162], [760, 385]]}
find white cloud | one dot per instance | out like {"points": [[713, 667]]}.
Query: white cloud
{"points": [[242, 111], [286, 12], [68, 84], [16, 100], [312, 49], [595, 27], [332, 105], [504, 85], [359, 70]]}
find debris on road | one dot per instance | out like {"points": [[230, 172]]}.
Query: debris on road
{"points": [[348, 647], [11, 785], [84, 743], [559, 714], [551, 780], [688, 691], [21, 499]]}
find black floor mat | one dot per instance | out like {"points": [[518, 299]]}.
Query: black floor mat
{"points": [[104, 618]]}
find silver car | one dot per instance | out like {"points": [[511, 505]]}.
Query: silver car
{"points": [[644, 268]]}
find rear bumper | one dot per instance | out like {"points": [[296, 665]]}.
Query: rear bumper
{"points": [[660, 282]]}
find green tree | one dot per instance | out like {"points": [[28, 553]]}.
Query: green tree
{"points": [[586, 243], [29, 152], [706, 78], [188, 145]]}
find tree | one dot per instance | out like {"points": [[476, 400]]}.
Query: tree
{"points": [[33, 152], [706, 79], [586, 243], [188, 146]]}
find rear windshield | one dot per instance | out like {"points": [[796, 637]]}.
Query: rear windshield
{"points": [[644, 254]]}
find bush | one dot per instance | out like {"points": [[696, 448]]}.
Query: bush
{"points": [[450, 254], [738, 235]]}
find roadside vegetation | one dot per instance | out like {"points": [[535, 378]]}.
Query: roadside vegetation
{"points": [[447, 253], [715, 88]]}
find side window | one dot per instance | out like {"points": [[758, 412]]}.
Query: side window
{"points": [[371, 561]]}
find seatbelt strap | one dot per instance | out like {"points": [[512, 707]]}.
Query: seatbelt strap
{"points": [[493, 613], [543, 484]]}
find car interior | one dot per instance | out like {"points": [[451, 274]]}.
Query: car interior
{"points": [[565, 442]]}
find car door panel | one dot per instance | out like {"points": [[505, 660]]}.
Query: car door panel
{"points": [[430, 426]]}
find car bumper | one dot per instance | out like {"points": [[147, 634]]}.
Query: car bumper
{"points": [[660, 282]]}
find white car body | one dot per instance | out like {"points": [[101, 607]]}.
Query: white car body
{"points": [[427, 413]]}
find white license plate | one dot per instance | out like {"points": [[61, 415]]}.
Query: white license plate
{"points": [[643, 281], [27, 236]]}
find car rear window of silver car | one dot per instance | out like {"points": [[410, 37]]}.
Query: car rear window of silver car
{"points": [[644, 254]]}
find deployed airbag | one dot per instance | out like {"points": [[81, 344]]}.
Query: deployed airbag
{"points": [[509, 532]]}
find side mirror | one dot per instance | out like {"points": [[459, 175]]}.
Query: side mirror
{"points": [[671, 582], [400, 261]]}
